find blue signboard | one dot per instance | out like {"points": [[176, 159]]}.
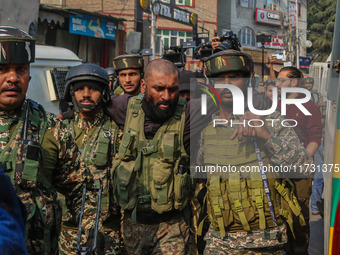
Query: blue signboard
{"points": [[92, 26], [304, 62]]}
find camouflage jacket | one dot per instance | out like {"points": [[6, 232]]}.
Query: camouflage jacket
{"points": [[98, 142], [283, 147], [60, 169]]}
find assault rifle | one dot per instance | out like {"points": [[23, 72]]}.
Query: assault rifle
{"points": [[84, 249]]}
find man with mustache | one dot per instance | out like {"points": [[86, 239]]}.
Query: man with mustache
{"points": [[37, 151], [96, 135], [129, 69], [248, 208], [151, 169]]}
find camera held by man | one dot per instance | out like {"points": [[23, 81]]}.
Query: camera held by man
{"points": [[226, 41]]}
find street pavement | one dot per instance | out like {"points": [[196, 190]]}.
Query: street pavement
{"points": [[316, 243]]}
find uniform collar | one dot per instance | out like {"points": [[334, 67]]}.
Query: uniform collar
{"points": [[12, 114], [87, 125]]}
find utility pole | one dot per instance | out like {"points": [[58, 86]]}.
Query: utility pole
{"points": [[289, 54], [297, 34], [262, 59], [153, 32]]}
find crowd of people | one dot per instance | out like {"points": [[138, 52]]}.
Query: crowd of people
{"points": [[113, 174]]}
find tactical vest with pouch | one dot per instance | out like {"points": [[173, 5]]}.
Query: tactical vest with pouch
{"points": [[236, 199], [152, 174], [21, 161], [97, 152]]}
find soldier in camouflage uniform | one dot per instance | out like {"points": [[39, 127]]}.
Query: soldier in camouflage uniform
{"points": [[151, 175], [245, 217], [87, 86], [129, 69], [37, 151]]}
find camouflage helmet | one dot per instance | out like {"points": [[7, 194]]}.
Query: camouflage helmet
{"points": [[132, 61], [16, 46], [228, 61], [86, 72]]}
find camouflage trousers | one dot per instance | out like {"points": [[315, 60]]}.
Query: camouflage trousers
{"points": [[170, 237], [299, 244], [254, 242], [108, 243]]}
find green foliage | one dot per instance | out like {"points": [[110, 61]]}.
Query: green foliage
{"points": [[320, 23]]}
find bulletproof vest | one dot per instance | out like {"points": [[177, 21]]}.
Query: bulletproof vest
{"points": [[21, 161], [99, 156], [236, 200], [152, 173], [21, 158]]}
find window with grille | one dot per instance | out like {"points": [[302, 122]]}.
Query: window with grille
{"points": [[56, 83], [184, 2], [246, 37], [168, 38]]}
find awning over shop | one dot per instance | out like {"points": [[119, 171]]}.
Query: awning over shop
{"points": [[51, 17], [57, 15]]}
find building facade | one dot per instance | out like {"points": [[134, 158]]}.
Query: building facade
{"points": [[248, 18], [92, 36], [168, 32]]}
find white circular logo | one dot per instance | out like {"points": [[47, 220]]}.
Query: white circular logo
{"points": [[156, 8]]}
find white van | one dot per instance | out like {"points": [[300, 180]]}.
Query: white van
{"points": [[48, 73]]}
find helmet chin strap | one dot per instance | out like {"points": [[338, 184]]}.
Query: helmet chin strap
{"points": [[79, 106]]}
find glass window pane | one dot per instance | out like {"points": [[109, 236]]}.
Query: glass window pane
{"points": [[166, 42], [181, 33], [173, 33], [158, 31], [299, 10], [244, 3], [173, 41], [189, 34], [158, 44], [181, 41], [251, 4], [188, 2], [166, 32]]}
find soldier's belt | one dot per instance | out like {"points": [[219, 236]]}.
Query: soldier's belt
{"points": [[152, 217], [74, 228]]}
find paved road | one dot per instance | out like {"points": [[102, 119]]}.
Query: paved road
{"points": [[316, 244]]}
